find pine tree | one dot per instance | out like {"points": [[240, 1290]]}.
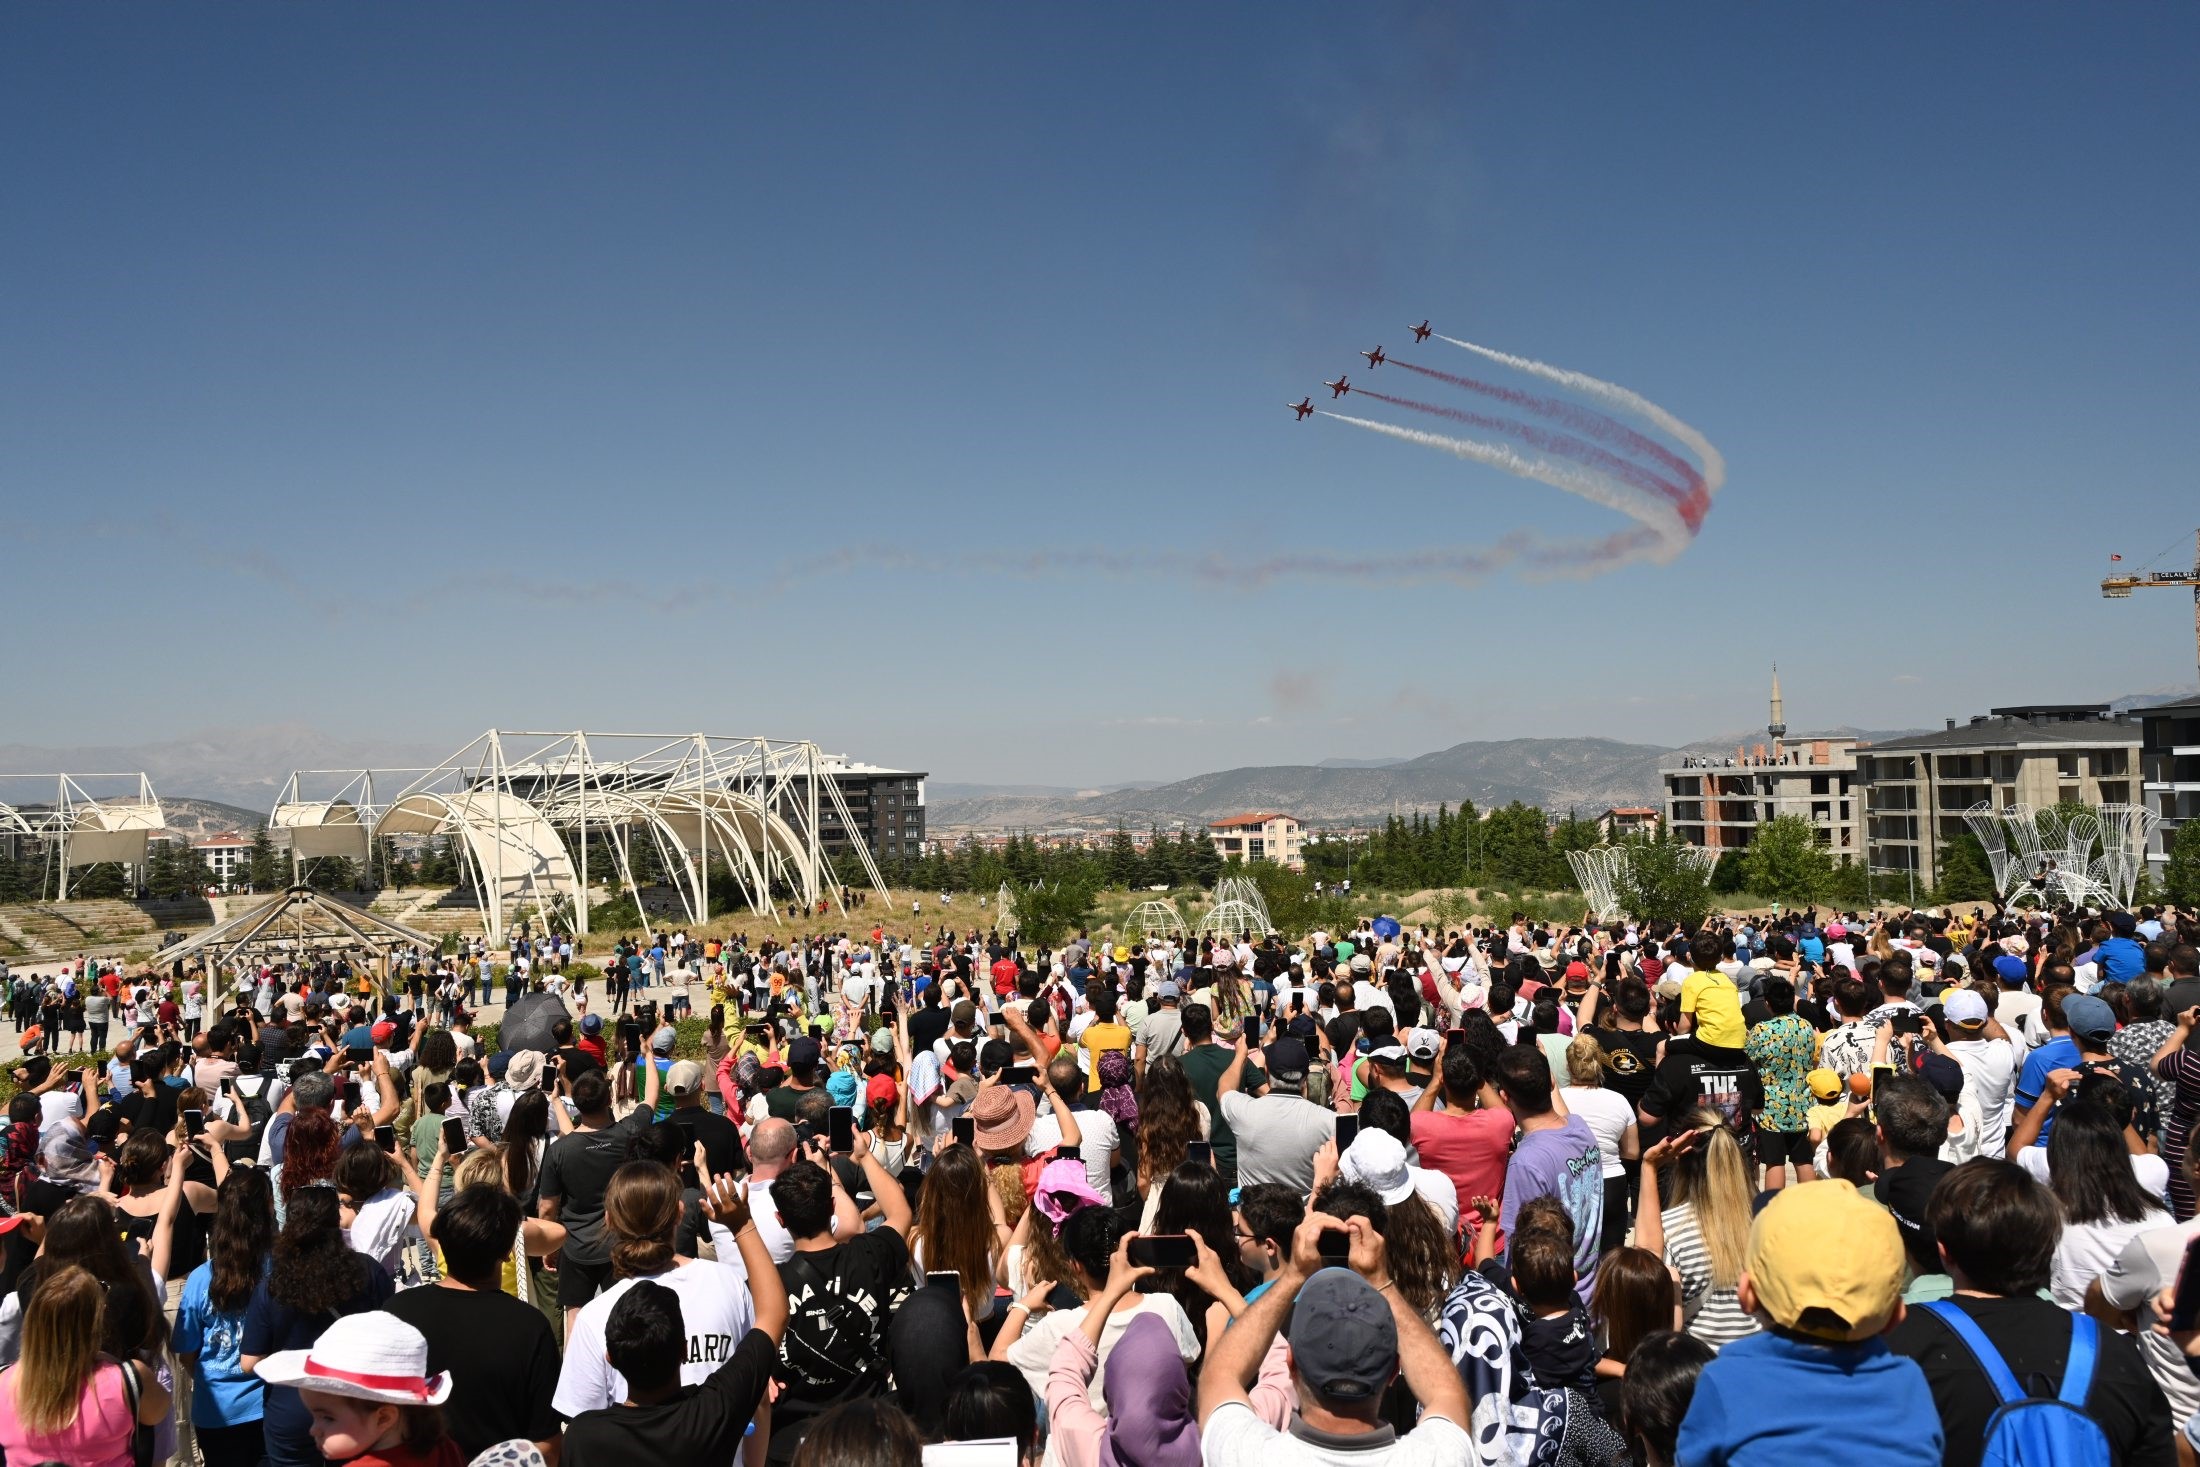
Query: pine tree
{"points": [[2181, 878]]}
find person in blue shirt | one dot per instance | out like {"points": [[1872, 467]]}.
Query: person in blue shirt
{"points": [[1819, 1383], [2121, 958], [228, 1402], [2060, 1012]]}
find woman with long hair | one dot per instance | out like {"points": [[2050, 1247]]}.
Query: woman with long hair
{"points": [[1698, 1220], [141, 1175], [1423, 1253], [1170, 1119], [227, 1402], [954, 1230], [313, 1279], [1194, 1201], [310, 1148], [2089, 1164], [1634, 1298], [66, 1400], [526, 1137]]}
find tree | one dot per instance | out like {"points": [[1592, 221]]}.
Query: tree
{"points": [[1047, 912], [1786, 862], [1965, 875], [1660, 884], [2181, 878], [264, 868]]}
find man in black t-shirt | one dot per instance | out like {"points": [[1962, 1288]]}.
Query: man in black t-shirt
{"points": [[1694, 1073], [1996, 1228], [721, 1138], [576, 1170], [645, 1338], [501, 1355], [1913, 1123], [839, 1296]]}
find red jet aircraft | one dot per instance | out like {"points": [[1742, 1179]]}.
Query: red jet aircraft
{"points": [[1302, 407], [1420, 332], [1338, 388], [1375, 358]]}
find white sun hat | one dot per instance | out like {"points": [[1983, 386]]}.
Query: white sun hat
{"points": [[371, 1357]]}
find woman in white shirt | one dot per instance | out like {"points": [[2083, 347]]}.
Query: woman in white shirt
{"points": [[1612, 1121], [377, 1214], [2104, 1205]]}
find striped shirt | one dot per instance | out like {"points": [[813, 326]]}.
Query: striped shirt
{"points": [[1715, 1315]]}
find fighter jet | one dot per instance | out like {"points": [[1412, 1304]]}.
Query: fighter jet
{"points": [[1302, 407], [1420, 332], [1375, 358], [1338, 388]]}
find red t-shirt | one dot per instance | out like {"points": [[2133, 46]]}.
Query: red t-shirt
{"points": [[1472, 1149], [1004, 977]]}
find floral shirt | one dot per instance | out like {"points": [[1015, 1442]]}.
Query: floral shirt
{"points": [[1784, 1049], [2134, 1045]]}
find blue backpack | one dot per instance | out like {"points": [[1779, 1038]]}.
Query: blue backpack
{"points": [[2036, 1431]]}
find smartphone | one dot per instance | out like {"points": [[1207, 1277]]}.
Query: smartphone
{"points": [[1347, 1128], [1455, 1038], [1252, 1030], [359, 1054], [1909, 1021], [1019, 1074], [817, 1031], [351, 1093], [2184, 1310], [949, 1280], [386, 1137], [1335, 1247], [454, 1135], [841, 1130], [1164, 1250], [1068, 1153], [966, 1131], [1201, 1153], [194, 1123]]}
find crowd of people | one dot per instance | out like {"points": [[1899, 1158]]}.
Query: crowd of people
{"points": [[1912, 1188]]}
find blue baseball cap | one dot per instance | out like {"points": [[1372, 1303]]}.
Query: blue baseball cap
{"points": [[2088, 1017]]}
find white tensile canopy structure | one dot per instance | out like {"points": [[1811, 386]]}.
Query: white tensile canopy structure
{"points": [[527, 812], [1004, 910], [296, 925], [80, 828], [1156, 919], [2088, 857]]}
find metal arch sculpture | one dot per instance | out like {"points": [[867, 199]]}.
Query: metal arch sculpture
{"points": [[1004, 910], [1703, 858], [1232, 917], [512, 848], [1244, 891], [1156, 918], [1599, 871], [2089, 857]]}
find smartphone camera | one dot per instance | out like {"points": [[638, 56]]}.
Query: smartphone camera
{"points": [[1335, 1247]]}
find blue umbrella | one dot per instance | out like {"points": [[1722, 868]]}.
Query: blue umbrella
{"points": [[1386, 928]]}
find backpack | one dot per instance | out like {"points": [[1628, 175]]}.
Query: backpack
{"points": [[830, 1339], [2035, 1431]]}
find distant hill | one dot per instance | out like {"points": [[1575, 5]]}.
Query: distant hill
{"points": [[198, 819], [1587, 774]]}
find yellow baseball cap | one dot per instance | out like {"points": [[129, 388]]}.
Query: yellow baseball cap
{"points": [[1825, 1084], [1826, 1263]]}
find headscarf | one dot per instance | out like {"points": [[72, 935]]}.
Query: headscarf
{"points": [[926, 1347], [1149, 1397], [1117, 1097]]}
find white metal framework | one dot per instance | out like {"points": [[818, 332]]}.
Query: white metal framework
{"points": [[1703, 858], [1241, 891], [1004, 910], [1598, 873], [297, 925], [80, 828], [2091, 857], [1156, 919], [528, 813], [1231, 918]]}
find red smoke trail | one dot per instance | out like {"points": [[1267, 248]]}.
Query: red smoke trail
{"points": [[1691, 503], [1582, 420]]}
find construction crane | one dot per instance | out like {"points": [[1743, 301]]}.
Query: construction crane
{"points": [[2117, 588]]}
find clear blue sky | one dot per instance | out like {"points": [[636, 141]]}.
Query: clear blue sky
{"points": [[407, 369]]}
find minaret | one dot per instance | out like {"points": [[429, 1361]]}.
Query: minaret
{"points": [[1778, 727]]}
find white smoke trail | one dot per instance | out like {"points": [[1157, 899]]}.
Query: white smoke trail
{"points": [[1714, 465], [1649, 510]]}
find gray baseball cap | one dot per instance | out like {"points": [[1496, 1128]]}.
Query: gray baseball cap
{"points": [[1344, 1344]]}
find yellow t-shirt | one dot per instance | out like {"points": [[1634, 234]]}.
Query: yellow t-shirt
{"points": [[1823, 1118], [1097, 1039], [1717, 1006]]}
